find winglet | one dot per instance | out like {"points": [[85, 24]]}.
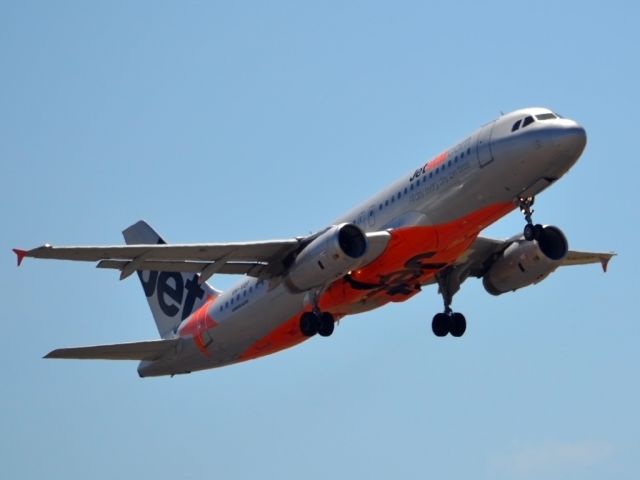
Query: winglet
{"points": [[604, 261], [20, 254]]}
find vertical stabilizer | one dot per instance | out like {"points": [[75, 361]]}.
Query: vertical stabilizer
{"points": [[172, 296]]}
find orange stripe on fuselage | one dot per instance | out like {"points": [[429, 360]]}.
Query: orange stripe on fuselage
{"points": [[285, 336], [197, 324], [436, 162], [413, 257]]}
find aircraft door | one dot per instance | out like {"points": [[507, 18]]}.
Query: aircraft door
{"points": [[483, 145]]}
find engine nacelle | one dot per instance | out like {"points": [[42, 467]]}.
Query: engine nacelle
{"points": [[328, 257], [525, 263]]}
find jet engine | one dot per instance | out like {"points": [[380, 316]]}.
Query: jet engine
{"points": [[525, 263], [328, 257]]}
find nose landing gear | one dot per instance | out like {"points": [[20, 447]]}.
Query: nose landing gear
{"points": [[531, 231]]}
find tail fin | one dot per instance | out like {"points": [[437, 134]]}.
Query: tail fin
{"points": [[172, 296]]}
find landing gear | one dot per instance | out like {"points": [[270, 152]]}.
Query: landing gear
{"points": [[457, 324], [326, 325], [531, 231], [440, 324], [316, 322], [449, 321], [309, 324]]}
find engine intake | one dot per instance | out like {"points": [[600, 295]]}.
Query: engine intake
{"points": [[525, 263], [328, 257]]}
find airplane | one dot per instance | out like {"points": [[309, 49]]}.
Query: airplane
{"points": [[421, 230]]}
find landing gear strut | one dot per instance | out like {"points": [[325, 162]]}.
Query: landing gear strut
{"points": [[531, 231], [449, 321]]}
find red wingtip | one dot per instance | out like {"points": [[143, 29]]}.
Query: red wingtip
{"points": [[20, 254], [605, 263]]}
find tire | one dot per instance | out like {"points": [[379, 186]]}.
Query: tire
{"points": [[309, 324], [327, 325], [538, 232], [457, 325], [529, 232], [440, 325]]}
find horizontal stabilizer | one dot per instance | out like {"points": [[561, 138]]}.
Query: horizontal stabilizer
{"points": [[149, 350]]}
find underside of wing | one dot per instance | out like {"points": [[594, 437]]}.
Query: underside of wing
{"points": [[586, 258], [148, 350], [515, 262]]}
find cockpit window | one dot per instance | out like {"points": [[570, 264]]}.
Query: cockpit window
{"points": [[546, 116], [516, 126], [527, 121]]}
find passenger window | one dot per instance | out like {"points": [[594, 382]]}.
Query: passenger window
{"points": [[516, 126], [405, 191], [386, 203], [527, 121], [469, 151]]}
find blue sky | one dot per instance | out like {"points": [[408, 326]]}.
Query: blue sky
{"points": [[236, 121]]}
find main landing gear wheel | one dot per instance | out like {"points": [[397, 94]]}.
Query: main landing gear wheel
{"points": [[312, 323], [440, 324], [445, 323], [309, 324], [326, 325], [457, 324]]}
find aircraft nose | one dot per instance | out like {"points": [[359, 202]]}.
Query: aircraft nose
{"points": [[571, 138]]}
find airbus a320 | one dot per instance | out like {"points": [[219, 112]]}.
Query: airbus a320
{"points": [[421, 230]]}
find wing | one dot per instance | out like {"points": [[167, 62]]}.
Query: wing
{"points": [[258, 259], [483, 250], [253, 258], [482, 253]]}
